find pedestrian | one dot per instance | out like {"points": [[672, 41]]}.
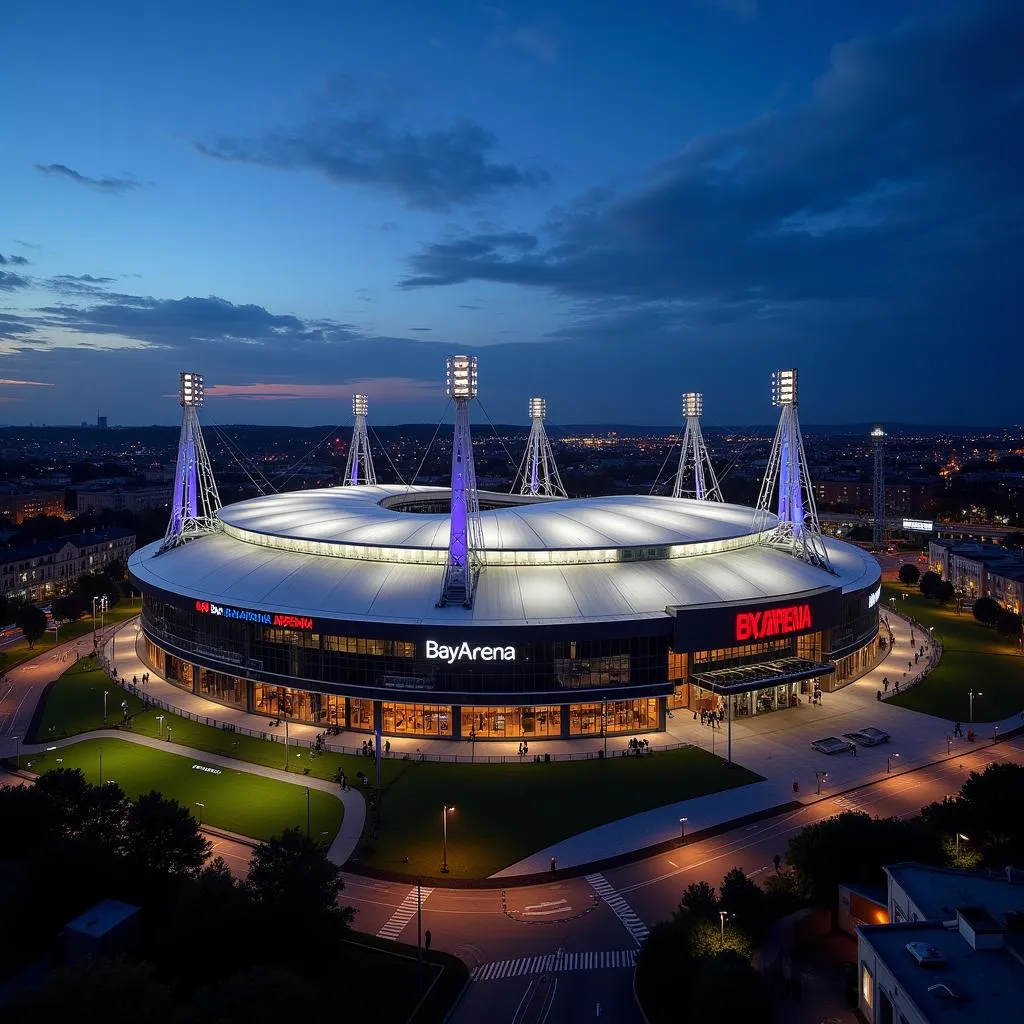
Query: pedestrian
{"points": [[910, 666], [917, 657], [553, 865], [853, 749], [526, 748], [776, 860], [885, 683], [878, 694], [387, 748]]}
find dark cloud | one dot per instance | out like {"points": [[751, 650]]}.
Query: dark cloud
{"points": [[897, 181], [11, 282], [12, 260], [15, 328], [79, 284], [465, 306], [27, 245], [428, 170], [110, 185], [419, 328]]}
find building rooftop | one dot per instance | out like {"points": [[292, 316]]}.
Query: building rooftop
{"points": [[51, 547], [938, 892], [102, 918]]}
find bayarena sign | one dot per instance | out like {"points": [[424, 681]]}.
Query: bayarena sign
{"points": [[793, 618], [260, 618], [464, 652]]}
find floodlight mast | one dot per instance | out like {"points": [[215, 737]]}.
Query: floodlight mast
{"points": [[465, 542], [796, 529], [196, 501], [538, 473], [695, 454], [359, 467], [878, 490]]}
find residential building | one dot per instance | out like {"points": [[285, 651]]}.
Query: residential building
{"points": [[18, 503], [38, 572], [978, 569], [116, 499]]}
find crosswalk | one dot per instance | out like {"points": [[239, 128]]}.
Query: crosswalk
{"points": [[619, 907], [554, 963], [403, 915]]}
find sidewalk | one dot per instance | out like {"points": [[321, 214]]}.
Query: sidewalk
{"points": [[345, 841]]}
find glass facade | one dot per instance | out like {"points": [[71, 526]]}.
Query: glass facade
{"points": [[417, 719], [298, 705], [224, 688], [618, 716], [511, 722]]}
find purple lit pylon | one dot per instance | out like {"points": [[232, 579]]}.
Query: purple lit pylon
{"points": [[537, 473], [359, 468]]}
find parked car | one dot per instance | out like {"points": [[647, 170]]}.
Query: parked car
{"points": [[831, 745], [869, 737]]}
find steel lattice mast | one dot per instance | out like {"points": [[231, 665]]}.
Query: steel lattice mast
{"points": [[695, 454], [878, 490], [797, 529], [466, 538], [538, 473], [196, 501], [359, 467]]}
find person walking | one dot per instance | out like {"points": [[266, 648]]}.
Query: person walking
{"points": [[885, 683]]}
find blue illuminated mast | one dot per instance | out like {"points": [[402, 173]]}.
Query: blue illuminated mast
{"points": [[196, 501], [695, 455], [466, 538], [359, 468], [538, 473], [797, 529]]}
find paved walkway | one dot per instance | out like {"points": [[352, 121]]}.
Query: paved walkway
{"points": [[355, 807]]}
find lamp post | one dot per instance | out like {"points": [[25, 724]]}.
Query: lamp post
{"points": [[949, 743], [201, 806], [820, 777], [888, 762], [682, 829], [722, 915], [973, 695], [159, 727], [444, 827], [106, 693], [960, 836], [17, 740], [307, 812]]}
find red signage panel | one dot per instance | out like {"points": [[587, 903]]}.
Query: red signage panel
{"points": [[794, 618]]}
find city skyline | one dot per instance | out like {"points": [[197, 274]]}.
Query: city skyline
{"points": [[607, 212]]}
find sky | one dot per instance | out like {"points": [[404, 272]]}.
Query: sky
{"points": [[609, 204]]}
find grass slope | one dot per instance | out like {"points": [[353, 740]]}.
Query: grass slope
{"points": [[234, 799], [974, 657], [19, 652]]}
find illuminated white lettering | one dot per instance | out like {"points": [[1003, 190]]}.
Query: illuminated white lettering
{"points": [[463, 652]]}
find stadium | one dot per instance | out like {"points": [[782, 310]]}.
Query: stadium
{"points": [[584, 616]]}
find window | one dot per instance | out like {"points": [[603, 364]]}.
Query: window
{"points": [[867, 990]]}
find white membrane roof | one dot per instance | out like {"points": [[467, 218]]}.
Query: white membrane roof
{"points": [[234, 571]]}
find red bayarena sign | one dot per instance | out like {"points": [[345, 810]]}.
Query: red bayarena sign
{"points": [[773, 622], [293, 621]]}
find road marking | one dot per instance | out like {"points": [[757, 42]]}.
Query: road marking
{"points": [[543, 909], [554, 963], [619, 907], [673, 863], [403, 915]]}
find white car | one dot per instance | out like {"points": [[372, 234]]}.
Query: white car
{"points": [[831, 745]]}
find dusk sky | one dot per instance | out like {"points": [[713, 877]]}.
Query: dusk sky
{"points": [[609, 203]]}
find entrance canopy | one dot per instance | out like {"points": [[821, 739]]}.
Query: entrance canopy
{"points": [[746, 678]]}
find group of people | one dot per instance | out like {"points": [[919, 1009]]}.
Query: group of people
{"points": [[145, 679], [524, 749], [637, 746], [958, 731], [710, 717]]}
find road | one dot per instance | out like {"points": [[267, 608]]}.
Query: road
{"points": [[560, 952]]}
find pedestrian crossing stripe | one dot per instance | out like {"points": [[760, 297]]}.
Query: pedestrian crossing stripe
{"points": [[554, 963], [619, 907], [403, 915]]}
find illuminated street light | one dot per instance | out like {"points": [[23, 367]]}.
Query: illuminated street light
{"points": [[444, 825], [201, 807], [682, 829], [960, 836], [722, 915], [820, 777], [159, 727], [106, 693], [889, 760], [973, 695]]}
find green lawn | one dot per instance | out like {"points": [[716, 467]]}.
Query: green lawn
{"points": [[974, 657], [504, 812], [17, 653], [235, 800]]}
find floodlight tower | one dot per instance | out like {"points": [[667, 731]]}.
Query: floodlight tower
{"points": [[878, 490], [359, 468], [695, 451], [797, 529], [196, 500], [538, 473], [466, 538]]}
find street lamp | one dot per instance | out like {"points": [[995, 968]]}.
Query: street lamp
{"points": [[201, 806], [17, 739], [889, 760], [444, 826], [973, 695], [105, 695], [722, 915], [682, 829], [159, 727], [960, 836], [820, 776]]}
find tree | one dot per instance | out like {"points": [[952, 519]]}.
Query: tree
{"points": [[292, 870], [929, 583], [745, 901], [68, 609], [909, 573], [852, 847], [1008, 624], [987, 611], [728, 988], [29, 822], [163, 838], [783, 892], [265, 994], [31, 621], [663, 969], [699, 899], [1014, 541], [97, 813], [945, 592]]}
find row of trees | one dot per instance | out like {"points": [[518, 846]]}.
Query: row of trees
{"points": [[213, 947], [987, 610]]}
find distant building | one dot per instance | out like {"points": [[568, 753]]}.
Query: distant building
{"points": [[902, 497], [101, 422], [109, 929], [116, 499], [953, 951], [38, 572], [18, 503], [979, 569]]}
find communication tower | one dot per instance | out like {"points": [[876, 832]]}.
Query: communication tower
{"points": [[466, 538], [878, 490], [797, 529], [196, 501], [695, 454], [359, 467], [538, 473]]}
